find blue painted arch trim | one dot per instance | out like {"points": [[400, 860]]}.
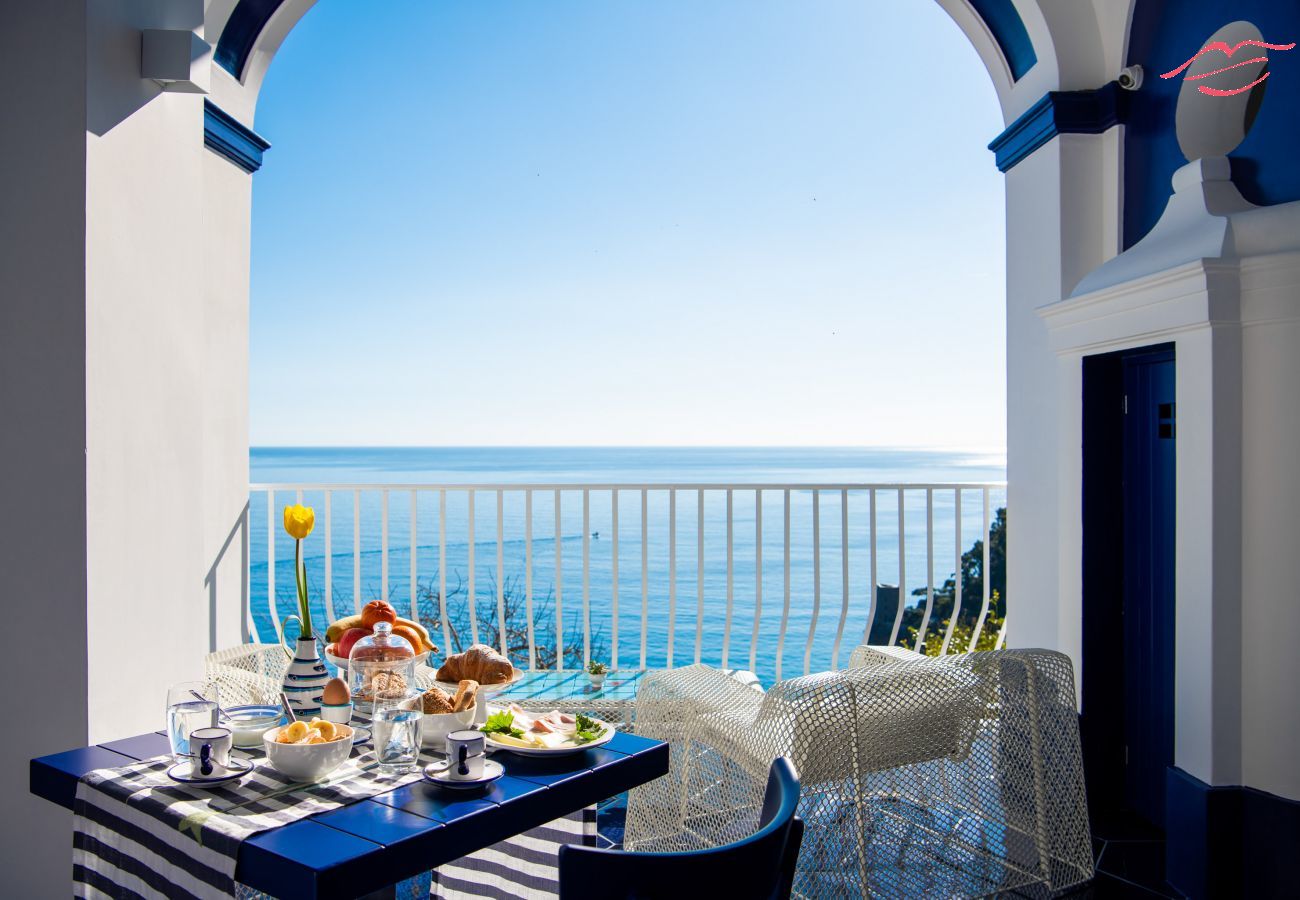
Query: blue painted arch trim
{"points": [[249, 17], [246, 22], [235, 141], [1059, 112], [1009, 32]]}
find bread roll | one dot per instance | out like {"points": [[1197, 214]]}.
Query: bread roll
{"points": [[386, 685], [479, 663], [435, 700]]}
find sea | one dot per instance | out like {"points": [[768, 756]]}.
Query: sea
{"points": [[445, 555]]}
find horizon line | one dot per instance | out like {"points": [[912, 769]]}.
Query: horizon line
{"points": [[931, 447]]}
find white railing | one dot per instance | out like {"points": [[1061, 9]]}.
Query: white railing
{"points": [[879, 527]]}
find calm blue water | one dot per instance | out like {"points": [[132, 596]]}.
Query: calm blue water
{"points": [[623, 465]]}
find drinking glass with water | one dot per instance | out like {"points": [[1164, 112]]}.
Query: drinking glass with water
{"points": [[396, 732], [190, 705]]}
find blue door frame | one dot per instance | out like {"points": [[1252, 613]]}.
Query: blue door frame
{"points": [[1129, 434]]}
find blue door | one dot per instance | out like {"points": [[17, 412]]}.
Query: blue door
{"points": [[1150, 430], [1127, 722]]}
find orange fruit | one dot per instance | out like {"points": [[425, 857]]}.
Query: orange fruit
{"points": [[411, 635], [378, 611]]}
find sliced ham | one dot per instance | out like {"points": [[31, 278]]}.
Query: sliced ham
{"points": [[543, 726]]}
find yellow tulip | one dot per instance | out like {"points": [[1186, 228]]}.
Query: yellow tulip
{"points": [[299, 521]]}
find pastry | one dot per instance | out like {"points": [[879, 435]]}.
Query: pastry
{"points": [[479, 663], [466, 694]]}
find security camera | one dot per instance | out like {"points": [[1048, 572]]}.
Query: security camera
{"points": [[1130, 78]]}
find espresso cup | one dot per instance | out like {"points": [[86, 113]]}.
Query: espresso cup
{"points": [[465, 755], [210, 751]]}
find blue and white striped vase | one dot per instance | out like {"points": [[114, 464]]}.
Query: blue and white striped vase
{"points": [[304, 682]]}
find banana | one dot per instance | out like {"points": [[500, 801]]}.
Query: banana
{"points": [[293, 732], [336, 629], [420, 630], [324, 729]]}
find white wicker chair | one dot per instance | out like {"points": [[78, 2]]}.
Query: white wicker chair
{"points": [[249, 673], [956, 776]]}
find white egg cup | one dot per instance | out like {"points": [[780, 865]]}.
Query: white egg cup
{"points": [[338, 713]]}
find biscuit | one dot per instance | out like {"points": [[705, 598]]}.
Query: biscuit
{"points": [[466, 694]]}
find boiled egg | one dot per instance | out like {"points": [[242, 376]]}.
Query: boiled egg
{"points": [[336, 692]]}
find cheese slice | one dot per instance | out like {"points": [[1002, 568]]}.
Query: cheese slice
{"points": [[512, 741]]}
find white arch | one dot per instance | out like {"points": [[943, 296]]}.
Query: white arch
{"points": [[1080, 45], [238, 97], [1066, 61]]}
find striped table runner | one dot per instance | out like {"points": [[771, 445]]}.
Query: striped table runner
{"points": [[137, 834]]}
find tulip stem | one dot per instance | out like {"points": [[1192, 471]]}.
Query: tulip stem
{"points": [[304, 609]]}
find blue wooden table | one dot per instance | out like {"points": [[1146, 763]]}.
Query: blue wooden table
{"points": [[374, 843]]}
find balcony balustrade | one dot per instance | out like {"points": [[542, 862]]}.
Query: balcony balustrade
{"points": [[782, 578]]}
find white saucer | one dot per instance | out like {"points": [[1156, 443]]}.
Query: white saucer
{"points": [[360, 734], [238, 768], [437, 773]]}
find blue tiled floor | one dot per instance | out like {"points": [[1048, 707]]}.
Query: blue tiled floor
{"points": [[610, 819]]}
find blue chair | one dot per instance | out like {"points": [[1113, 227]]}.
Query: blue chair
{"points": [[759, 867]]}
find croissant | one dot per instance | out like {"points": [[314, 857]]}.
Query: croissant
{"points": [[479, 663]]}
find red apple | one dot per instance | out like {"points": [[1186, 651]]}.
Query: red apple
{"points": [[348, 638]]}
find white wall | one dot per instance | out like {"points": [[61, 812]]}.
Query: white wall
{"points": [[42, 421], [227, 209], [1033, 273], [1270, 536], [145, 370], [123, 394], [1059, 226]]}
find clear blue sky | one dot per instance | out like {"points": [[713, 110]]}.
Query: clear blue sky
{"points": [[678, 222]]}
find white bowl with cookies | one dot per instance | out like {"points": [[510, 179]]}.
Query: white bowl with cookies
{"points": [[445, 713], [308, 751]]}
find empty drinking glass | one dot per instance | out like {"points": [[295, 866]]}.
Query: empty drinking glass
{"points": [[396, 731], [190, 705]]}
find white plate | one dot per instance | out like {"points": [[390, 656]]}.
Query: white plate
{"points": [[180, 773], [605, 738], [437, 773]]}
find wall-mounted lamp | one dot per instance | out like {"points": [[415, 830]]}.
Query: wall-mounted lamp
{"points": [[178, 60], [1130, 78]]}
